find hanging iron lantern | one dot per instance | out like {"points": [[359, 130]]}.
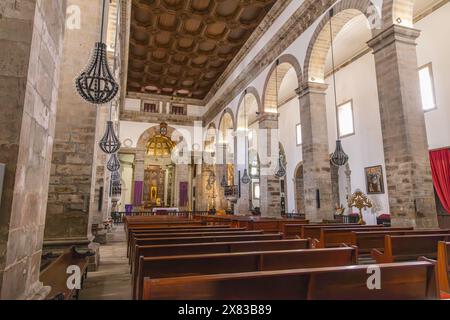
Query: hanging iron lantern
{"points": [[339, 157], [281, 172], [96, 83], [110, 142], [115, 176], [245, 178], [113, 163]]}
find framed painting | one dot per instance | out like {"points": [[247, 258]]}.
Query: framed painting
{"points": [[374, 180]]}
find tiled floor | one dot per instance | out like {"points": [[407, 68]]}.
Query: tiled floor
{"points": [[113, 280]]}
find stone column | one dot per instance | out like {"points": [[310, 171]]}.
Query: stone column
{"points": [[222, 158], [243, 203], [316, 156], [268, 150], [69, 218], [408, 173], [31, 40]]}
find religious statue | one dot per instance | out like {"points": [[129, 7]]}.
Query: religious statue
{"points": [[360, 201]]}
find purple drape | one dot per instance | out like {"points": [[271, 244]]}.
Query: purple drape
{"points": [[184, 194], [138, 190]]}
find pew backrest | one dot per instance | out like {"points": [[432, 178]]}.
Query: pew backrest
{"points": [[410, 280], [408, 247], [188, 265], [335, 237], [368, 240]]}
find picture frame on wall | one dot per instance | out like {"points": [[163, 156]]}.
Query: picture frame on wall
{"points": [[374, 179]]}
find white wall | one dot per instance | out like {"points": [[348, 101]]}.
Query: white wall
{"points": [[288, 120], [434, 46], [357, 82]]}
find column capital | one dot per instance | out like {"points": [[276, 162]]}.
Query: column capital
{"points": [[311, 87], [393, 34]]}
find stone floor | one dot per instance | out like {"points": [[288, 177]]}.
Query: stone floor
{"points": [[112, 281]]}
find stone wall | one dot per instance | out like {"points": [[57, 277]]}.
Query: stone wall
{"points": [[73, 169], [31, 38]]}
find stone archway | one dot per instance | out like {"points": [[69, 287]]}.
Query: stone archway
{"points": [[320, 43], [285, 63]]}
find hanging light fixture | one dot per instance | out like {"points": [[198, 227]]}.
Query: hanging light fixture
{"points": [[115, 176], [113, 163], [246, 178], [339, 157], [110, 142], [281, 171], [96, 83]]}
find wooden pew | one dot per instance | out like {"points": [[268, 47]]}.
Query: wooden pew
{"points": [[313, 230], [173, 229], [408, 247], [218, 247], [294, 231], [207, 239], [134, 237], [188, 265], [335, 237], [368, 240], [443, 268], [55, 275], [408, 280]]}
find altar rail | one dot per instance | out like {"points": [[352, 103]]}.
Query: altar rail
{"points": [[119, 215]]}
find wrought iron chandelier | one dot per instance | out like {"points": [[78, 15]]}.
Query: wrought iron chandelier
{"points": [[115, 176], [246, 178], [96, 83], [281, 171], [113, 163], [110, 143], [339, 157]]}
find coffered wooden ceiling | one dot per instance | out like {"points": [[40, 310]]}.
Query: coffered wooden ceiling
{"points": [[181, 47]]}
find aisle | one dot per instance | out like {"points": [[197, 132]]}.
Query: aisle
{"points": [[113, 280]]}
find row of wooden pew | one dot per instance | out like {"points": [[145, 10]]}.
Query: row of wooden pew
{"points": [[183, 259]]}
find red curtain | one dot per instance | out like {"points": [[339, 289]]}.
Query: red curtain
{"points": [[440, 168]]}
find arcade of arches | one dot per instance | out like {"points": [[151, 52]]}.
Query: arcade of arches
{"points": [[214, 93]]}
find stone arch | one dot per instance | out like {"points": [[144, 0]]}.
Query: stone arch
{"points": [[173, 133], [285, 63], [398, 12], [320, 42], [207, 139], [250, 91], [299, 189], [225, 113]]}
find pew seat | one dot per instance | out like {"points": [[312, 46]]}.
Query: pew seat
{"points": [[407, 280], [184, 265]]}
